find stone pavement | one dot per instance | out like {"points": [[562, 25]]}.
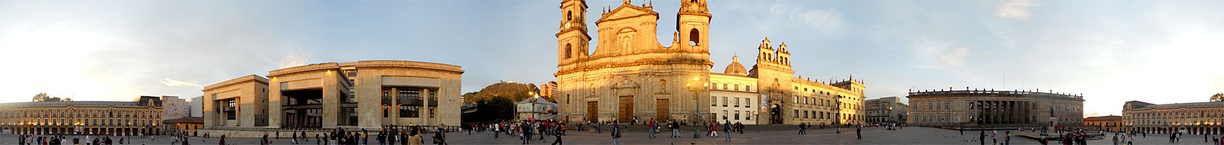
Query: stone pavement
{"points": [[908, 135]]}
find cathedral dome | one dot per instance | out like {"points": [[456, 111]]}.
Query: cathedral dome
{"points": [[735, 68]]}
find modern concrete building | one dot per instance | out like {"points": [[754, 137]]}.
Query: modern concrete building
{"points": [[886, 110], [1194, 118], [142, 116], [364, 94], [981, 107], [197, 106], [633, 75]]}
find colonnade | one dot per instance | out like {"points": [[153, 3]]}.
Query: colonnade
{"points": [[1004, 112]]}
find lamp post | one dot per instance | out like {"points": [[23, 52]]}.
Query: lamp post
{"points": [[692, 86], [534, 98]]}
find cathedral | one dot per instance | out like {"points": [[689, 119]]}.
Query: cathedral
{"points": [[631, 75]]}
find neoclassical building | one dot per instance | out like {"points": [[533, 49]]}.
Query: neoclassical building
{"points": [[1195, 117], [140, 117], [981, 107], [631, 74], [886, 110], [364, 94]]}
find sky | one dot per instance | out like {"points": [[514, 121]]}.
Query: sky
{"points": [[1111, 51]]}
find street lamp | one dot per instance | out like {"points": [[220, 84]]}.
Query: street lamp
{"points": [[535, 97], [692, 86]]}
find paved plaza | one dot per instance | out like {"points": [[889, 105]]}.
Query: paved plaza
{"points": [[909, 135]]}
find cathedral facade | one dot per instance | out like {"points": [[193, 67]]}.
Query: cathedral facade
{"points": [[631, 75]]}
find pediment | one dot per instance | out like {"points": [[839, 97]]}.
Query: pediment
{"points": [[627, 11]]}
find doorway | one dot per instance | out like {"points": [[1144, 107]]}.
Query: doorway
{"points": [[625, 112], [592, 114]]}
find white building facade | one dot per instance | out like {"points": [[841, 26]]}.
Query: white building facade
{"points": [[535, 109]]}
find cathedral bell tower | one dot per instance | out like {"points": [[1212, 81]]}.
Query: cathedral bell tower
{"points": [[693, 25], [572, 38]]}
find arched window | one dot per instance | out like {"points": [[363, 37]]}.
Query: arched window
{"points": [[568, 51], [694, 37], [569, 15]]}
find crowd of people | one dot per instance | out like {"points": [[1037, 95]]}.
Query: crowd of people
{"points": [[526, 131], [30, 139]]}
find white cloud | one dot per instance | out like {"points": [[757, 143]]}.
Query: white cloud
{"points": [[298, 57], [939, 53], [1018, 9], [953, 57], [177, 83], [822, 20]]}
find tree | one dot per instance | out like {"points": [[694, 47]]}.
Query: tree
{"points": [[43, 97], [1218, 97]]}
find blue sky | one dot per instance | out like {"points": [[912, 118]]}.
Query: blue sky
{"points": [[1110, 51]]}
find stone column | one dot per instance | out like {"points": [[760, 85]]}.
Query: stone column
{"points": [[331, 98]]}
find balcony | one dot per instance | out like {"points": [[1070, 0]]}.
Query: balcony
{"points": [[413, 102]]}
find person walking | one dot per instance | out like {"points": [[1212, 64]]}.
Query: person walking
{"points": [[1007, 138], [382, 137], [859, 131], [264, 140], [616, 133], [558, 134], [993, 138], [801, 127], [295, 137], [982, 137], [652, 129], [440, 135], [526, 132], [412, 137], [727, 129], [674, 126]]}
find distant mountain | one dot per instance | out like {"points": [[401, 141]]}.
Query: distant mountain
{"points": [[511, 90]]}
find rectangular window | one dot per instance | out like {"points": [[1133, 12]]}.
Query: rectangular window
{"points": [[748, 116], [737, 87], [713, 101], [407, 111], [796, 114], [409, 94], [737, 116], [432, 111]]}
